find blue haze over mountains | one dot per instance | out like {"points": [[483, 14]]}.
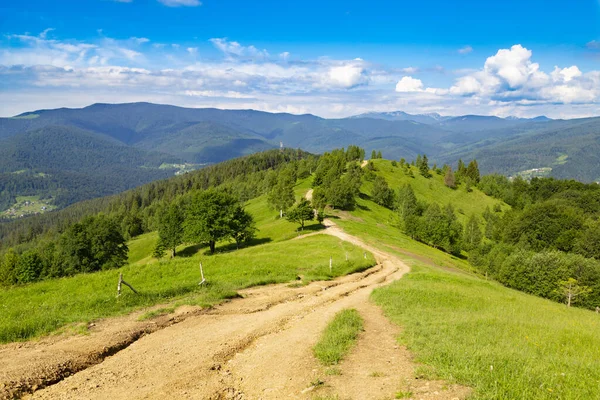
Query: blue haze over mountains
{"points": [[134, 140]]}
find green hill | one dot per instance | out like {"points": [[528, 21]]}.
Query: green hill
{"points": [[66, 165], [460, 325]]}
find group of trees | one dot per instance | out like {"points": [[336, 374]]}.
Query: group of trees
{"points": [[66, 242], [428, 223], [337, 179], [548, 244], [93, 244]]}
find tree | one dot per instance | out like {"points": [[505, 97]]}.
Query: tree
{"points": [[381, 193], [170, 230], [379, 154], [242, 226], [341, 194], [93, 244], [473, 171], [424, 167], [433, 229], [8, 268], [373, 155], [449, 179], [319, 198], [28, 267], [461, 170], [108, 246], [208, 217], [571, 289], [301, 213], [281, 196], [406, 203], [472, 235], [588, 244]]}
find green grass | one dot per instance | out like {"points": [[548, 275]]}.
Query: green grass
{"points": [[339, 337], [378, 226], [40, 308], [142, 247], [275, 228], [433, 190], [502, 343]]}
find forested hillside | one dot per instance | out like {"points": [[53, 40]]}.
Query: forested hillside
{"points": [[545, 227], [570, 148], [68, 165], [66, 155]]}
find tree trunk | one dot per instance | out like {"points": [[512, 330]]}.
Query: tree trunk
{"points": [[212, 245], [569, 299], [173, 252], [281, 213]]}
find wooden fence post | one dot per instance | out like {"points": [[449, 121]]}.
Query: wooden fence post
{"points": [[202, 274], [121, 281], [330, 264]]}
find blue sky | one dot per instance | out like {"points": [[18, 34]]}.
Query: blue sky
{"points": [[330, 58]]}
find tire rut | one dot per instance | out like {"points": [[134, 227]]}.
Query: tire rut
{"points": [[256, 347]]}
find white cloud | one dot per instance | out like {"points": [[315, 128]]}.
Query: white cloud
{"points": [[43, 72], [409, 84], [179, 3], [141, 40], [510, 76], [235, 50], [465, 50], [347, 76]]}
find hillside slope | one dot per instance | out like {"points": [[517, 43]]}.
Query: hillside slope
{"points": [[68, 165]]}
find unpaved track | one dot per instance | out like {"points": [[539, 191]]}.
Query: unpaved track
{"points": [[260, 347]]}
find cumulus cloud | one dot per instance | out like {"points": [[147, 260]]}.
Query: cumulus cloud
{"points": [[45, 72], [347, 76], [511, 76], [409, 84]]}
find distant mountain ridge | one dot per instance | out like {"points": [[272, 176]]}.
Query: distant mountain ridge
{"points": [[176, 135], [438, 120]]}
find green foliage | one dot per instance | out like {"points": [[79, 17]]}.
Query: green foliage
{"points": [[472, 171], [588, 243], [281, 196], [381, 193], [242, 226], [208, 217], [94, 244], [545, 225], [42, 307], [339, 337], [472, 235], [170, 229], [301, 213]]}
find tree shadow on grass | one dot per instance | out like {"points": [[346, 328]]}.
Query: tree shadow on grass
{"points": [[311, 228], [233, 246], [190, 250]]}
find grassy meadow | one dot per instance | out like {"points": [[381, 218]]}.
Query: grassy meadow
{"points": [[503, 343], [462, 328], [43, 307]]}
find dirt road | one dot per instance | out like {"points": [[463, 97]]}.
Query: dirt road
{"points": [[258, 347]]}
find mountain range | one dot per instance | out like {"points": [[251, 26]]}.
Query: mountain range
{"points": [[75, 154]]}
